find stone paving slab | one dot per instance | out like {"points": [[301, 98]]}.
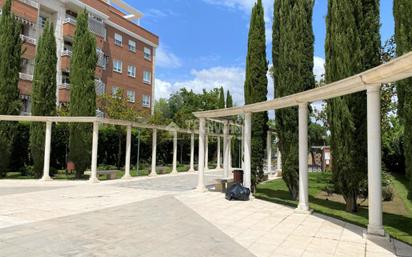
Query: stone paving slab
{"points": [[19, 190], [268, 229], [156, 227]]}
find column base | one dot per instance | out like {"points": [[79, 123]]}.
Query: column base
{"points": [[191, 170], [127, 177], [174, 172], [94, 180], [48, 178], [303, 209], [375, 230], [153, 174]]}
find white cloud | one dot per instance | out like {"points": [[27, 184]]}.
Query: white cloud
{"points": [[167, 59], [318, 67], [231, 78]]}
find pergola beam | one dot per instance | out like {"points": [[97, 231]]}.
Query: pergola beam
{"points": [[397, 69]]}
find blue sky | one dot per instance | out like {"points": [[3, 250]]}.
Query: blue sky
{"points": [[204, 42]]}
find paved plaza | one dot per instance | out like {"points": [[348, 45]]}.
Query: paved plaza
{"points": [[164, 216]]}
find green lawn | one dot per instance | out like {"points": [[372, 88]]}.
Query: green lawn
{"points": [[397, 223]]}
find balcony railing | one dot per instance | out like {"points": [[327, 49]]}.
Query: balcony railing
{"points": [[64, 86], [28, 39], [31, 3], [70, 20], [100, 87], [25, 76], [101, 59], [67, 53]]}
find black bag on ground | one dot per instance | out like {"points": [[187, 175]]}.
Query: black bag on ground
{"points": [[238, 192]]}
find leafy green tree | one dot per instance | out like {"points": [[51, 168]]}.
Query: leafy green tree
{"points": [[82, 93], [10, 54], [352, 45], [222, 103], [118, 107], [402, 10], [229, 100], [292, 56], [44, 94], [255, 88]]}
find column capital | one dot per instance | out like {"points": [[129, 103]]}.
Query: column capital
{"points": [[370, 88]]}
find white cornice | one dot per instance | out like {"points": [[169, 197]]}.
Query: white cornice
{"points": [[128, 32]]}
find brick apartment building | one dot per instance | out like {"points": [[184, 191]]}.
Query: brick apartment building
{"points": [[126, 51]]}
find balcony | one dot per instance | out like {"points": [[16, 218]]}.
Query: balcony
{"points": [[28, 47], [69, 27], [26, 10], [25, 83], [65, 62], [96, 27], [100, 87]]}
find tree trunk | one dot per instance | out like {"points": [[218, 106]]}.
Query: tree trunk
{"points": [[351, 203]]}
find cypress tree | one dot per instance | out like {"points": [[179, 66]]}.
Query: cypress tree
{"points": [[229, 100], [44, 94], [82, 93], [10, 54], [255, 88], [352, 45], [292, 56], [403, 37], [221, 98]]}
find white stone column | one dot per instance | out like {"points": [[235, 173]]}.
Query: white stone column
{"points": [[242, 148], [226, 149], [303, 206], [247, 177], [206, 152], [128, 150], [279, 161], [154, 146], [192, 153], [219, 162], [47, 146], [174, 170], [93, 175], [230, 153], [201, 183], [375, 226], [269, 151]]}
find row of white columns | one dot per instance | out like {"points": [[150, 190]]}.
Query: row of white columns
{"points": [[93, 176], [374, 157]]}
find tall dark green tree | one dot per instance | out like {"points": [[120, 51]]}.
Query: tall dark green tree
{"points": [[352, 45], [255, 88], [229, 100], [82, 93], [44, 94], [10, 54], [403, 37], [292, 56], [222, 103]]}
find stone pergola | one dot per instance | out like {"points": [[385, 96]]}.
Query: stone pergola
{"points": [[49, 120], [369, 81]]}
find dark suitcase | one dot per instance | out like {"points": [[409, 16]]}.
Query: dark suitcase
{"points": [[238, 192]]}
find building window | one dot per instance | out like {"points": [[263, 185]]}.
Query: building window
{"points": [[131, 96], [131, 71], [117, 66], [132, 46], [146, 101], [147, 53], [118, 39], [147, 77], [42, 21], [115, 91]]}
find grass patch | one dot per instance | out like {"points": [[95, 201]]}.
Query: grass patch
{"points": [[397, 225]]}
